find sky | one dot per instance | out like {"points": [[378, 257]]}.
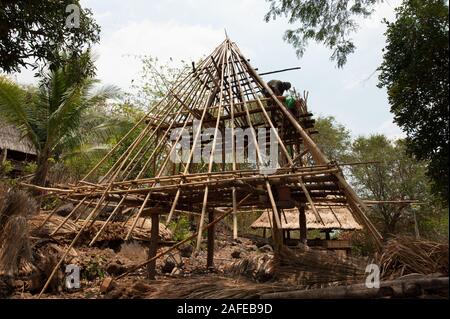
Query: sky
{"points": [[189, 29]]}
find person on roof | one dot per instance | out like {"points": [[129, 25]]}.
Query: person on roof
{"points": [[278, 87]]}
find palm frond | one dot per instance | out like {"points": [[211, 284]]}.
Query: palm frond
{"points": [[86, 151]]}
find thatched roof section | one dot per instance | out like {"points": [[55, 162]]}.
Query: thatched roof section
{"points": [[11, 139], [332, 217]]}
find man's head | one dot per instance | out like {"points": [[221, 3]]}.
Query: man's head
{"points": [[286, 86], [277, 87]]}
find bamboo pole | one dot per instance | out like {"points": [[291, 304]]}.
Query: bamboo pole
{"points": [[93, 211], [277, 240], [188, 163], [211, 156], [161, 170], [224, 214], [287, 155], [139, 175], [319, 157], [70, 247]]}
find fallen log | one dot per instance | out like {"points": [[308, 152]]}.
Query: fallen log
{"points": [[395, 288]]}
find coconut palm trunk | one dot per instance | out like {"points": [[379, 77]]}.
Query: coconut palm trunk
{"points": [[40, 176]]}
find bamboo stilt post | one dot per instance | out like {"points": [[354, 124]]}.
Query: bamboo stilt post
{"points": [[360, 208], [97, 206], [211, 235], [153, 249], [302, 224]]}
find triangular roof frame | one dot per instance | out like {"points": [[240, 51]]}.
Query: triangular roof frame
{"points": [[222, 91]]}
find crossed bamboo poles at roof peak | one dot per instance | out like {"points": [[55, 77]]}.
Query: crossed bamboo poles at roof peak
{"points": [[213, 93]]}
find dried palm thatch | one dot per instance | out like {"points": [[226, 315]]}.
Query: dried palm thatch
{"points": [[214, 288], [11, 139], [259, 267], [306, 266], [15, 252], [112, 231], [333, 217], [404, 255], [15, 246]]}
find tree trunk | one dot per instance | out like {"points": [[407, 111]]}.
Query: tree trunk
{"points": [[40, 176], [390, 228]]}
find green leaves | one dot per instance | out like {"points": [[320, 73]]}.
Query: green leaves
{"points": [[35, 31], [323, 21], [395, 176], [415, 73], [156, 78], [333, 138]]}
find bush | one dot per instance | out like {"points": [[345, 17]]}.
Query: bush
{"points": [[30, 168], [6, 167], [180, 228], [94, 269]]}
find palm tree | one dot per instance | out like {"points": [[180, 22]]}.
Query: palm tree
{"points": [[51, 116]]}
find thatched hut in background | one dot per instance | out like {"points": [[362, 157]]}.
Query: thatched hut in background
{"points": [[14, 147], [331, 218]]}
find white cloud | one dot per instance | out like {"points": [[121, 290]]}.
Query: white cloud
{"points": [[117, 52], [189, 29]]}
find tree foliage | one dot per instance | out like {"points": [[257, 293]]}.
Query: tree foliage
{"points": [[415, 73], [33, 31], [396, 176], [52, 116], [324, 21], [333, 138], [155, 81]]}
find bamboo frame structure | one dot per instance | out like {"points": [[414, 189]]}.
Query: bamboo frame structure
{"points": [[222, 92]]}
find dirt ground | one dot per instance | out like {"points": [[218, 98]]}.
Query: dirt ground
{"points": [[98, 263]]}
